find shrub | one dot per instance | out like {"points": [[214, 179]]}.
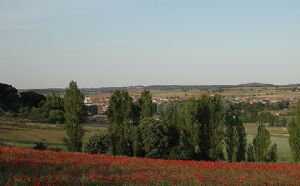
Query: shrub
{"points": [[41, 145], [56, 116], [273, 156], [98, 144], [24, 112]]}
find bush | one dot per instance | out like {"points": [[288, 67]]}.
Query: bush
{"points": [[250, 153], [273, 156], [39, 114], [56, 116], [24, 112], [98, 144], [41, 145]]}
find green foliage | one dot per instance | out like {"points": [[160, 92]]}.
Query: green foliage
{"points": [[250, 116], [294, 131], [232, 142], [167, 112], [261, 144], [98, 144], [74, 112], [54, 102], [155, 138], [39, 114], [241, 152], [182, 151], [268, 117], [136, 138], [31, 99], [250, 153], [272, 155], [56, 116], [41, 145], [189, 126], [121, 139], [235, 135], [146, 104], [120, 107], [24, 112], [122, 114], [9, 98], [1, 112], [211, 118]]}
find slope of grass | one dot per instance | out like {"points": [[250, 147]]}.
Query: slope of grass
{"points": [[29, 167]]}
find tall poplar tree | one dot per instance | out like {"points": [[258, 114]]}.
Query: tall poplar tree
{"points": [[261, 144], [74, 113]]}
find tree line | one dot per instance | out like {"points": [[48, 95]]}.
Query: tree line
{"points": [[206, 128]]}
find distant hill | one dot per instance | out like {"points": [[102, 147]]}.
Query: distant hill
{"points": [[163, 87], [256, 85]]}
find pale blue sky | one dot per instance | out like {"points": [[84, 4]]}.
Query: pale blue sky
{"points": [[137, 42]]}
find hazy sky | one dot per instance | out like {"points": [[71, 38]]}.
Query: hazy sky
{"points": [[144, 42]]}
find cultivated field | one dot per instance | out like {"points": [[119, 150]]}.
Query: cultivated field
{"points": [[26, 134]]}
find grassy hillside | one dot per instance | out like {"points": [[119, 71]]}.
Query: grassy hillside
{"points": [[25, 135], [29, 167]]}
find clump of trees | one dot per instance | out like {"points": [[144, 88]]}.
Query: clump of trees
{"points": [[262, 112], [207, 128], [31, 105], [294, 131], [196, 129], [261, 150]]}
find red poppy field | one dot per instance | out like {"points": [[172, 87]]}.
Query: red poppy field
{"points": [[29, 167]]}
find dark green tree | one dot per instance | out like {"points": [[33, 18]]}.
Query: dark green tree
{"points": [[56, 116], [261, 144], [294, 131], [250, 153], [189, 127], [235, 135], [146, 104], [211, 115], [273, 156], [98, 144], [241, 152], [155, 138], [120, 107], [137, 145], [54, 102], [74, 112], [167, 112], [9, 98], [31, 99], [121, 116]]}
